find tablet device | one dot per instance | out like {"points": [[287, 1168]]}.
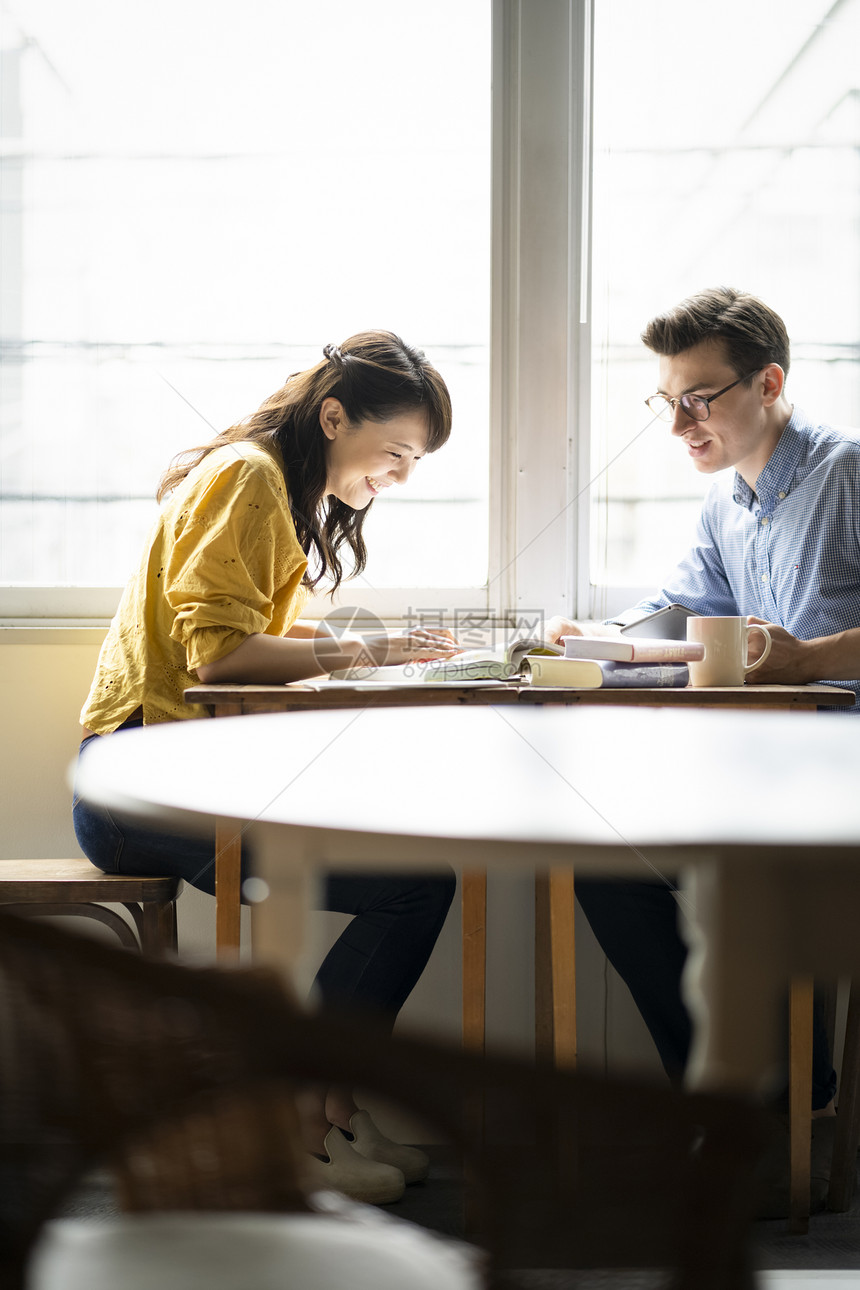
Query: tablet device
{"points": [[668, 624]]}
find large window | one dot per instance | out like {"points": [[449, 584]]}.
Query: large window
{"points": [[194, 202], [726, 153], [193, 206]]}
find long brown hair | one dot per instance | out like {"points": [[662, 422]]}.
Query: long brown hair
{"points": [[376, 376]]}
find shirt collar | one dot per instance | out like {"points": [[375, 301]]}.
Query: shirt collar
{"points": [[781, 467]]}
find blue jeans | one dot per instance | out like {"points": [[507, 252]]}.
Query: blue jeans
{"points": [[636, 926], [375, 962]]}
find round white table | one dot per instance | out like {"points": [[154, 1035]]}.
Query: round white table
{"points": [[756, 815]]}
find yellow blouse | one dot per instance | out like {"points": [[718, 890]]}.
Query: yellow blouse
{"points": [[222, 562]]}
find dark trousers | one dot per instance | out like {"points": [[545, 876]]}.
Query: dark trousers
{"points": [[375, 962], [636, 926]]}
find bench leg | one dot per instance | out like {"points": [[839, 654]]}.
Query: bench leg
{"points": [[80, 909], [158, 928]]}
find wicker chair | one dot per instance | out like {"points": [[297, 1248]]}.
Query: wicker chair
{"points": [[181, 1079]]}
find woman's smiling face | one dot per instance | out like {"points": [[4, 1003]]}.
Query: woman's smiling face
{"points": [[364, 458]]}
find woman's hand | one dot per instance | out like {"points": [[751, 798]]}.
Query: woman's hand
{"points": [[272, 660], [414, 645]]}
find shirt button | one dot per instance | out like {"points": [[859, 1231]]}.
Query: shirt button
{"points": [[766, 519], [764, 577], [780, 494]]}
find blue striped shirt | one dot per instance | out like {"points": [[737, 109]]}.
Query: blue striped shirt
{"points": [[789, 552]]}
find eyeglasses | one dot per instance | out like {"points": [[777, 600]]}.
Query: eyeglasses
{"points": [[695, 405]]}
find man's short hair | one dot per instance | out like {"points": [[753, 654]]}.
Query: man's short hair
{"points": [[752, 333]]}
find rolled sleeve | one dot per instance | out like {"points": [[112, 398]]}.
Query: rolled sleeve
{"points": [[233, 563]]}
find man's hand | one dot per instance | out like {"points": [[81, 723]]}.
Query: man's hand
{"points": [[557, 627], [796, 662], [791, 661]]}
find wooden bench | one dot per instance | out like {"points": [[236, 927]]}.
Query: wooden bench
{"points": [[76, 887]]}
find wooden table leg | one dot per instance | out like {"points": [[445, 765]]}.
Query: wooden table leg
{"points": [[474, 916], [228, 869], [474, 913], [292, 889], [733, 982], [543, 969], [228, 888], [555, 968], [561, 904], [800, 1102]]}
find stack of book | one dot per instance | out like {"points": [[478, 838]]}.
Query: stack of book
{"points": [[582, 662], [591, 662]]}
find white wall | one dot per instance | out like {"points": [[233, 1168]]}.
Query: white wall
{"points": [[44, 677]]}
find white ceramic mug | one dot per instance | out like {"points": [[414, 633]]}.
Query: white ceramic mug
{"points": [[726, 642]]}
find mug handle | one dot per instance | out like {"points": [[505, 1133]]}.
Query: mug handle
{"points": [[755, 627]]}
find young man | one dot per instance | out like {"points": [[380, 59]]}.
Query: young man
{"points": [[779, 540]]}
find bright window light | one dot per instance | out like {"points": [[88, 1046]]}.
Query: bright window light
{"points": [[726, 153], [194, 201]]}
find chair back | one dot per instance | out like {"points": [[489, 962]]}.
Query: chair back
{"points": [[182, 1079]]}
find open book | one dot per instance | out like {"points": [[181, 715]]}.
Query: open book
{"points": [[495, 663]]}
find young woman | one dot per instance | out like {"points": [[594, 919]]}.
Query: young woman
{"points": [[251, 523]]}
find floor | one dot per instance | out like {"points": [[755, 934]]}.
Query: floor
{"points": [[831, 1249]]}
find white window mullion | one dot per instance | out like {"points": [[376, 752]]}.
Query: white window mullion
{"points": [[541, 355], [580, 261], [504, 306]]}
